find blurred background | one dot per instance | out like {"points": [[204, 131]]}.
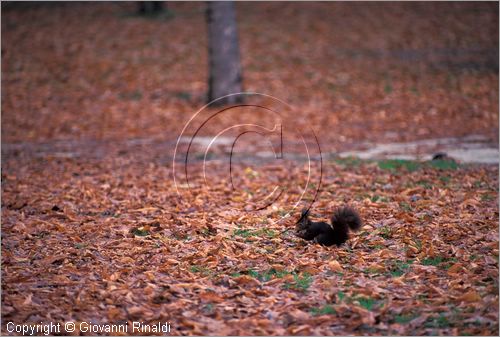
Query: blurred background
{"points": [[356, 72]]}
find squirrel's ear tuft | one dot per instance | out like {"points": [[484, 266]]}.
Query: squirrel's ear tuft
{"points": [[304, 215]]}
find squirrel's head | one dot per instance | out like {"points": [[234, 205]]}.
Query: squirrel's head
{"points": [[304, 217]]}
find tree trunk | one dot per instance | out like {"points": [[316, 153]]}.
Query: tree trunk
{"points": [[224, 54], [150, 7]]}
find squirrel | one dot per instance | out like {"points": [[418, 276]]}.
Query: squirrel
{"points": [[343, 219]]}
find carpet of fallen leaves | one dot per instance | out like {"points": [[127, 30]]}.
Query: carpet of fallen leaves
{"points": [[93, 229], [109, 240], [363, 70]]}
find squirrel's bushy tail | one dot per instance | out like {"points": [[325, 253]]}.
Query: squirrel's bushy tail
{"points": [[343, 219]]}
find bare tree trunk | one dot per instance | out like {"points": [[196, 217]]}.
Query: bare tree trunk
{"points": [[150, 7], [224, 54]]}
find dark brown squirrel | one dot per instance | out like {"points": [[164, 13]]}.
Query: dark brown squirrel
{"points": [[343, 219]]}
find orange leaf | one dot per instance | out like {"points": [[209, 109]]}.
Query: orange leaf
{"points": [[471, 296], [335, 266], [457, 267]]}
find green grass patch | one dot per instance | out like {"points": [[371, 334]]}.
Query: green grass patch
{"points": [[265, 276], [399, 268], [340, 296], [246, 233], [140, 232], [405, 206], [443, 164], [425, 184], [487, 197], [478, 184], [366, 302], [371, 271], [385, 232], [301, 282], [378, 198], [418, 243], [361, 196], [388, 88], [439, 322], [243, 233], [439, 261], [201, 270], [432, 261], [398, 164], [208, 308], [404, 319], [412, 165], [131, 96], [324, 310]]}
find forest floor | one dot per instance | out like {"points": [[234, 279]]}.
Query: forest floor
{"points": [[95, 229], [107, 239]]}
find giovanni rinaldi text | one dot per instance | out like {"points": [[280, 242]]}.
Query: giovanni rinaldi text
{"points": [[62, 328]]}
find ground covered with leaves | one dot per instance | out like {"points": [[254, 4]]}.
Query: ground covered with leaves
{"points": [[110, 240], [357, 71], [94, 229]]}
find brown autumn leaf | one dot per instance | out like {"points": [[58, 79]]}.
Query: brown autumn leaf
{"points": [[211, 297], [456, 268], [335, 266], [470, 296]]}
